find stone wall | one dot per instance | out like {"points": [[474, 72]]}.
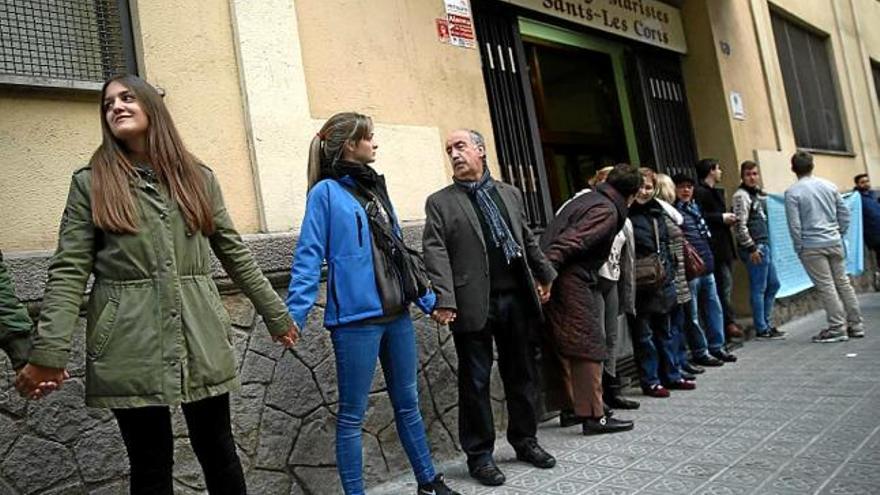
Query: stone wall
{"points": [[283, 419]]}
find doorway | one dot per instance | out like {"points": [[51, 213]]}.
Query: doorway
{"points": [[581, 105]]}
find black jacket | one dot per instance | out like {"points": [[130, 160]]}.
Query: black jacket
{"points": [[457, 261], [643, 219], [713, 206]]}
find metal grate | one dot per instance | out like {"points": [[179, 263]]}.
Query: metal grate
{"points": [[64, 40], [512, 110], [673, 149]]}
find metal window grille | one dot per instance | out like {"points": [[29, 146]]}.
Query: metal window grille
{"points": [[64, 43]]}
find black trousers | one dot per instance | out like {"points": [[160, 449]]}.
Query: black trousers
{"points": [[509, 324], [146, 432]]}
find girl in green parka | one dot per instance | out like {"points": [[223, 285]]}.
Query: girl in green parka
{"points": [[143, 218]]}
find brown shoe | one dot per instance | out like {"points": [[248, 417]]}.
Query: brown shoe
{"points": [[733, 331]]}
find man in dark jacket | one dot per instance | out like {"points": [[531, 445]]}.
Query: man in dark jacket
{"points": [[490, 278], [870, 219], [15, 324], [577, 242], [710, 198]]}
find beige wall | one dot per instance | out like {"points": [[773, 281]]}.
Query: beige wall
{"points": [[383, 58], [752, 69], [186, 47]]}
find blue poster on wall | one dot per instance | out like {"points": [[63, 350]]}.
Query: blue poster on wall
{"points": [[792, 276]]}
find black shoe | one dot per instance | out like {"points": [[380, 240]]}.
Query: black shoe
{"points": [[708, 360], [605, 425], [772, 334], [488, 474], [436, 487], [724, 356], [569, 418], [620, 402], [607, 409], [532, 453], [687, 376], [693, 369]]}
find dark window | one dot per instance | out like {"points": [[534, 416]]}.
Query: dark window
{"points": [[64, 43], [809, 86], [875, 68]]}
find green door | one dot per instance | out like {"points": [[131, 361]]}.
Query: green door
{"points": [[581, 103]]}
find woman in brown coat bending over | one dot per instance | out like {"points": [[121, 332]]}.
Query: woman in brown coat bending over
{"points": [[577, 242]]}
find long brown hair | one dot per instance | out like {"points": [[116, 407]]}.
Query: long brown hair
{"points": [[327, 146], [113, 204]]}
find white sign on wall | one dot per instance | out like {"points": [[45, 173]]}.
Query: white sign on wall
{"points": [[737, 108], [460, 23]]}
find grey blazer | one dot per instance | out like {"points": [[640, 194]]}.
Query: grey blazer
{"points": [[455, 254]]}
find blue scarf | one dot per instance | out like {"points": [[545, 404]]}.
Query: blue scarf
{"points": [[691, 208], [500, 233]]}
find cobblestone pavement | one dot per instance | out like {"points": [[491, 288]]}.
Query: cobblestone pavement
{"points": [[791, 417]]}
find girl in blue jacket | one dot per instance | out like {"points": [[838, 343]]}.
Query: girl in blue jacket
{"points": [[350, 223]]}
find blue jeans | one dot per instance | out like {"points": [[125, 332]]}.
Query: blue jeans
{"points": [[763, 286], [653, 345], [704, 296], [357, 347], [677, 328]]}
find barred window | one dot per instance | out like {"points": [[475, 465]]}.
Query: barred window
{"points": [[64, 43], [810, 88], [875, 69]]}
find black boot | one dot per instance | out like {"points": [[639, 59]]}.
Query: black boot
{"points": [[611, 394], [568, 418]]}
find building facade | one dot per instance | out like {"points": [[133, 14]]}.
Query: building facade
{"points": [[565, 86]]}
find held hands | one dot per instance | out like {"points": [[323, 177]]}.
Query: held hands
{"points": [[289, 339], [543, 291], [35, 382], [756, 257], [728, 218], [443, 316]]}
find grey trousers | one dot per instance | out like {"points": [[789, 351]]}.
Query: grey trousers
{"points": [[607, 297], [827, 270]]}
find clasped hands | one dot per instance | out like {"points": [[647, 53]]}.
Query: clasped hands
{"points": [[445, 316], [35, 382]]}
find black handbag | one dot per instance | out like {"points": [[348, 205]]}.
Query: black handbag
{"points": [[400, 273]]}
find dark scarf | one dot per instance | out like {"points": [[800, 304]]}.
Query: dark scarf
{"points": [[753, 191], [691, 208], [367, 181], [501, 235]]}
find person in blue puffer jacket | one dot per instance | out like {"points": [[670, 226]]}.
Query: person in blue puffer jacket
{"points": [[707, 346], [350, 222]]}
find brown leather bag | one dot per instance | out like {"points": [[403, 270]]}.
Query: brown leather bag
{"points": [[650, 274], [694, 266]]}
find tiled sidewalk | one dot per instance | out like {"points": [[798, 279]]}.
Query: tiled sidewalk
{"points": [[791, 417]]}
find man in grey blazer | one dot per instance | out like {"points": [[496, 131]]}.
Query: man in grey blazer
{"points": [[490, 278]]}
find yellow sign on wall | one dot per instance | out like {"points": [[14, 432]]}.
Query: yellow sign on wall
{"points": [[648, 21]]}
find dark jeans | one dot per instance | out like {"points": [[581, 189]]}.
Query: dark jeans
{"points": [[357, 347], [654, 347], [724, 287], [509, 323], [146, 432]]}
